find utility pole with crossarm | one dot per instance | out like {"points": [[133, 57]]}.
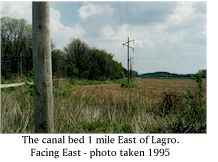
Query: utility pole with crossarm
{"points": [[127, 45]]}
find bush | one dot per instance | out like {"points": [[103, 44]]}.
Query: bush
{"points": [[171, 102], [125, 84], [190, 121]]}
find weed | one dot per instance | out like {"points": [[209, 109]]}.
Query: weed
{"points": [[125, 84], [171, 101]]}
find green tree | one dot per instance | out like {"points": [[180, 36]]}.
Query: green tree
{"points": [[16, 46], [117, 71], [97, 64], [70, 70], [202, 73], [197, 99], [76, 53], [103, 67], [134, 73], [57, 62], [93, 64]]}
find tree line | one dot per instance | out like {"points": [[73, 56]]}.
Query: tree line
{"points": [[77, 60], [16, 47], [159, 75]]}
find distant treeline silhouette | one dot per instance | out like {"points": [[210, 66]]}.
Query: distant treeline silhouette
{"points": [[168, 75]]}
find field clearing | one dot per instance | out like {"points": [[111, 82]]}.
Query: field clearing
{"points": [[151, 106], [148, 90]]}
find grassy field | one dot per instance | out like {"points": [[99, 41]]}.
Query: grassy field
{"points": [[150, 106]]}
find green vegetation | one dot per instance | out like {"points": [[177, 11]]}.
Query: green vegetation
{"points": [[125, 84], [76, 61], [81, 62], [16, 51], [108, 108]]}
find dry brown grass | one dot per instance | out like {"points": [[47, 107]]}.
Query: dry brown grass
{"points": [[148, 90]]}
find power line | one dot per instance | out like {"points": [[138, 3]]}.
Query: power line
{"points": [[119, 9], [128, 17]]}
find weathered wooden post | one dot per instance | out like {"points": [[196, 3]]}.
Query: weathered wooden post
{"points": [[43, 95]]}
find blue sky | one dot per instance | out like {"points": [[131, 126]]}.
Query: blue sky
{"points": [[69, 11], [169, 36]]}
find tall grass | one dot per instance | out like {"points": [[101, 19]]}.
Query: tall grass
{"points": [[109, 108]]}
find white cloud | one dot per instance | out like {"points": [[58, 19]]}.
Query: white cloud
{"points": [[183, 11], [156, 48], [108, 31], [60, 33], [17, 10], [89, 10]]}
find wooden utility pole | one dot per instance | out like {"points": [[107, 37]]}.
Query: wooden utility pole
{"points": [[43, 96], [130, 64], [127, 44]]}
